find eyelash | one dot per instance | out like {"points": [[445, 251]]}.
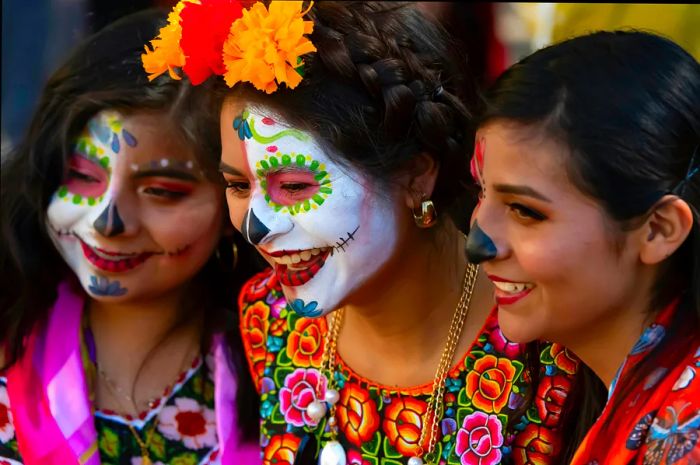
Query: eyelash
{"points": [[80, 176], [239, 188], [525, 213], [294, 187]]}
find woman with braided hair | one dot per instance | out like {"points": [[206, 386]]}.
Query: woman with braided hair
{"points": [[370, 338]]}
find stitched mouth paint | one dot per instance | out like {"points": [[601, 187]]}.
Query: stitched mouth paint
{"points": [[113, 262]]}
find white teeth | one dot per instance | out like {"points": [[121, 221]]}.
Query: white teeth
{"points": [[296, 258], [305, 255], [109, 257], [512, 288], [284, 260], [315, 251]]}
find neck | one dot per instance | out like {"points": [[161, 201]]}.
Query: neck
{"points": [[140, 346], [404, 316], [605, 344]]}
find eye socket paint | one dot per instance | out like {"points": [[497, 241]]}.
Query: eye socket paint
{"points": [[480, 247]]}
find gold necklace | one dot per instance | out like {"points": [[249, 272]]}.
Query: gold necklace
{"points": [[333, 452]]}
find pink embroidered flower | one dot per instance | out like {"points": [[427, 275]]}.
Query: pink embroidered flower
{"points": [[502, 345], [355, 458], [7, 429], [189, 422], [479, 440], [298, 392]]}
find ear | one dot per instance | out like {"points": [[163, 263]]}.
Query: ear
{"points": [[420, 179], [665, 230]]}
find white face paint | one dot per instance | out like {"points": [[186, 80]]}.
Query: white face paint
{"points": [[323, 227], [135, 216]]}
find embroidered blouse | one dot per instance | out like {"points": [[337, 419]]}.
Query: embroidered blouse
{"points": [[181, 423], [656, 421], [382, 424]]}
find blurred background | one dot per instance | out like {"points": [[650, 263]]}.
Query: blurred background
{"points": [[37, 35]]}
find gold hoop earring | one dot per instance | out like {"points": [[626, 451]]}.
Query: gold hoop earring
{"points": [[427, 216]]}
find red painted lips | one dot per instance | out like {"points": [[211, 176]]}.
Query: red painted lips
{"points": [[302, 272], [115, 266]]}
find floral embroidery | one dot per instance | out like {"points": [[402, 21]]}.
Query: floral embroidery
{"points": [[299, 391], [357, 413], [189, 422], [7, 429], [550, 398], [479, 440], [489, 383], [381, 424]]}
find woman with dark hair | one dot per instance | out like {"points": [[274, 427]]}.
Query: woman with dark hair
{"points": [[370, 339], [589, 166], [119, 333]]}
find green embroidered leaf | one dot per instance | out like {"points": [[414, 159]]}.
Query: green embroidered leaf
{"points": [[283, 360], [463, 413], [546, 356], [277, 416], [209, 393], [371, 447], [157, 445], [109, 443], [187, 458], [390, 451]]}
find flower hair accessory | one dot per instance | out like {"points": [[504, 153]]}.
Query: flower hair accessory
{"points": [[259, 45]]}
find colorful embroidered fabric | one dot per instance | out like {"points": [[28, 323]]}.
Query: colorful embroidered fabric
{"points": [[185, 433], [49, 395], [658, 420], [380, 424]]}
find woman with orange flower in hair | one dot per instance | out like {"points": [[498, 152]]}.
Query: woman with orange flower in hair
{"points": [[370, 338]]}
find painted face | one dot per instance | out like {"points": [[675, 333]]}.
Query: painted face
{"points": [[324, 228], [548, 248], [135, 217]]}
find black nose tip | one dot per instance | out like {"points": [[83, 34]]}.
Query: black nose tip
{"points": [[109, 223], [253, 229], [480, 247]]}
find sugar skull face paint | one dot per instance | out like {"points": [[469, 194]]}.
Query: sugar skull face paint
{"points": [[479, 247], [134, 217], [325, 228]]}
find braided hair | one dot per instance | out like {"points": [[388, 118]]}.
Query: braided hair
{"points": [[382, 88]]}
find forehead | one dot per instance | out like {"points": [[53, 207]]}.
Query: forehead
{"points": [[139, 137]]}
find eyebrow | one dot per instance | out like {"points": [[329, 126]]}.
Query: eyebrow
{"points": [[519, 190], [166, 173], [228, 169]]}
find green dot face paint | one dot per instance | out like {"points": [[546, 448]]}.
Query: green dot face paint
{"points": [[324, 227]]}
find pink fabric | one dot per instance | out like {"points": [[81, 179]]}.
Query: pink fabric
{"points": [[50, 403]]}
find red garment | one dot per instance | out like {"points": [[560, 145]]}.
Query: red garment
{"points": [[658, 420]]}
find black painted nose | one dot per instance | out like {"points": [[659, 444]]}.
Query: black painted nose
{"points": [[253, 229], [480, 247], [109, 223]]}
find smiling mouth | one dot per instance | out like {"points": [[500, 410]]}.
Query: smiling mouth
{"points": [[295, 268], [113, 262], [510, 292]]}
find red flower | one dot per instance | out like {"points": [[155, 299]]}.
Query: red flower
{"points": [[357, 414], [205, 27], [281, 449], [403, 422], [489, 383], [551, 394], [254, 326], [355, 458], [535, 445], [304, 343], [278, 327], [564, 359]]}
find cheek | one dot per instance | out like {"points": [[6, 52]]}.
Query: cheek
{"points": [[237, 208], [64, 213], [186, 224]]}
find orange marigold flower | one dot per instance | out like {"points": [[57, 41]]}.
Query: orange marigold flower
{"points": [[264, 46], [165, 53]]}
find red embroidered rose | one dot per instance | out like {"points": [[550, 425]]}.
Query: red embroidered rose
{"points": [[304, 345], [535, 445], [403, 421], [564, 359], [489, 383], [551, 394], [278, 327], [357, 414], [255, 325], [281, 449]]}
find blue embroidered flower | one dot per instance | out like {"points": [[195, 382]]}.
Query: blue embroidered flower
{"points": [[102, 286], [303, 309], [651, 336], [274, 343]]}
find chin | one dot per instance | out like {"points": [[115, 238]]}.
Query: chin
{"points": [[517, 328]]}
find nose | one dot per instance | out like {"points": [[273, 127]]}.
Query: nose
{"points": [[253, 229], [109, 223], [480, 247]]}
